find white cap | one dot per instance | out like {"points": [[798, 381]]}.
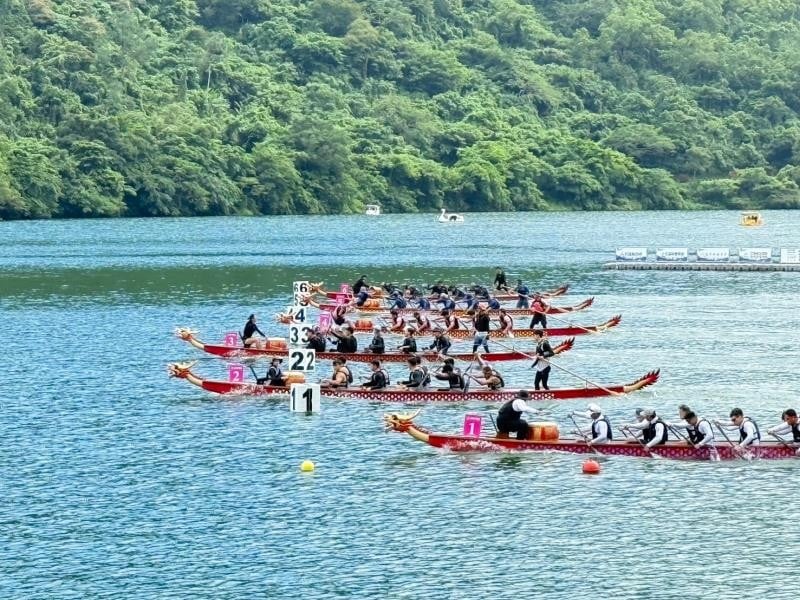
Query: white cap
{"points": [[594, 408]]}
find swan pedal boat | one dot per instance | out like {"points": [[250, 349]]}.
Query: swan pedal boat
{"points": [[675, 450], [384, 310], [376, 292], [431, 395], [388, 357]]}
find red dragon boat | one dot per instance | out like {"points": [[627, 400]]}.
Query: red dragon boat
{"points": [[217, 386], [672, 450], [374, 306], [570, 330], [316, 288], [282, 350]]}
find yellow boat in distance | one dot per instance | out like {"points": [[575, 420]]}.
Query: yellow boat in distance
{"points": [[751, 218]]}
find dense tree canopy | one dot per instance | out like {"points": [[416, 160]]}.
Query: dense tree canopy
{"points": [[211, 107]]}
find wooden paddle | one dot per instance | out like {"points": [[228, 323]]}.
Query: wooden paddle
{"points": [[782, 441], [585, 438], [642, 444], [550, 361], [725, 435]]}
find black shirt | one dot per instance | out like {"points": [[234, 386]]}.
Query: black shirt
{"points": [[249, 328]]}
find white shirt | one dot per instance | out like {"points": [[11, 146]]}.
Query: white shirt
{"points": [[750, 434], [781, 429], [601, 428], [704, 427], [637, 428], [519, 405]]}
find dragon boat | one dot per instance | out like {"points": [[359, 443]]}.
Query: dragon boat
{"points": [[376, 292], [432, 395], [569, 330], [502, 443], [278, 347], [373, 306]]}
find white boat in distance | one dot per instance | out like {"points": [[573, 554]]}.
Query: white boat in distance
{"points": [[446, 217], [373, 210]]}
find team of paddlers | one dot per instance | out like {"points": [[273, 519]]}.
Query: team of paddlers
{"points": [[648, 429]]}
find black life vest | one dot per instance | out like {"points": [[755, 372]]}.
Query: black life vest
{"points": [[743, 435], [275, 376], [349, 375], [456, 381], [426, 376], [502, 381], [694, 432], [482, 323], [411, 344], [796, 432], [608, 425], [507, 412], [386, 380], [649, 433]]}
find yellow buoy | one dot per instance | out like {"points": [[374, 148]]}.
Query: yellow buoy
{"points": [[306, 466]]}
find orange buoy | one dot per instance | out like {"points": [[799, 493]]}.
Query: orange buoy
{"points": [[591, 467]]}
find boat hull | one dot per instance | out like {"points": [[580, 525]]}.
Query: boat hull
{"points": [[570, 330], [670, 450], [429, 396]]}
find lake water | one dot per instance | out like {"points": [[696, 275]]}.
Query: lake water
{"points": [[118, 482]]}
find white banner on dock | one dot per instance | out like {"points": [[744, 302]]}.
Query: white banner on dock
{"points": [[713, 254], [631, 254], [672, 254], [790, 256], [755, 255]]}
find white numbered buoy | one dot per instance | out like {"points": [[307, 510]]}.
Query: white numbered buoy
{"points": [[304, 397], [299, 334], [300, 291], [299, 314], [302, 359]]}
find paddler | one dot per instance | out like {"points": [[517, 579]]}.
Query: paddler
{"points": [[377, 345], [423, 323], [317, 340], [250, 328], [506, 324], [636, 428], [409, 345], [749, 435], [493, 303], [398, 302], [522, 294], [338, 314], [600, 429], [345, 340], [789, 425], [543, 351], [361, 298], [699, 431], [341, 376], [397, 323], [451, 375], [379, 378], [446, 302], [418, 376], [538, 308], [438, 288], [500, 279], [491, 378], [275, 376], [481, 324], [360, 283], [509, 417], [441, 343], [656, 432], [451, 322], [422, 303]]}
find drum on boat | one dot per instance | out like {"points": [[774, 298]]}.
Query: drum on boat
{"points": [[543, 431]]}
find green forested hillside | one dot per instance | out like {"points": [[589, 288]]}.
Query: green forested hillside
{"points": [[189, 107]]}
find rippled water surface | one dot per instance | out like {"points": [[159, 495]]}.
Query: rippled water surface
{"points": [[118, 482]]}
